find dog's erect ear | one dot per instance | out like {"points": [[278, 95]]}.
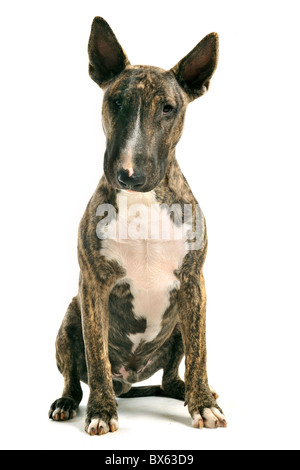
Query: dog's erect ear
{"points": [[106, 56], [195, 70]]}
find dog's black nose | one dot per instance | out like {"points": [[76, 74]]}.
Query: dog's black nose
{"points": [[134, 182]]}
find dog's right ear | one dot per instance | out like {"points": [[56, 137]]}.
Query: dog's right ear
{"points": [[106, 57]]}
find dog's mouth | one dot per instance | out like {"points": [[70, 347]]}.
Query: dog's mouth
{"points": [[129, 188], [145, 188], [128, 191]]}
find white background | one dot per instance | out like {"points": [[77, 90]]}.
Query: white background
{"points": [[240, 154]]}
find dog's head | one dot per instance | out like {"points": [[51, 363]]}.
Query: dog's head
{"points": [[144, 107]]}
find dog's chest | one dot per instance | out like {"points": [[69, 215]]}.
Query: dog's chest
{"points": [[148, 255]]}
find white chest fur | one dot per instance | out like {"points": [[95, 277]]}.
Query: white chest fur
{"points": [[148, 245]]}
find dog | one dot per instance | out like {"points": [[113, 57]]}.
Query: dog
{"points": [[141, 304]]}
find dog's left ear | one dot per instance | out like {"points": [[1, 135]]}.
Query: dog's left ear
{"points": [[106, 57], [195, 70]]}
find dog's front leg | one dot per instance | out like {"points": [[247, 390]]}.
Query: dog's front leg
{"points": [[102, 408], [202, 405]]}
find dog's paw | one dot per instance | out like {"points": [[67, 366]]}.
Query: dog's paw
{"points": [[98, 427], [63, 409], [211, 418], [101, 416]]}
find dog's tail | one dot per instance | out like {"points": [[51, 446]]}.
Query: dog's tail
{"points": [[150, 391]]}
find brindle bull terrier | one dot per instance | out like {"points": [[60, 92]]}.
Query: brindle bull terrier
{"points": [[141, 304]]}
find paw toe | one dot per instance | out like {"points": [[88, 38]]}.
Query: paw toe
{"points": [[221, 418], [113, 425], [197, 421], [210, 420]]}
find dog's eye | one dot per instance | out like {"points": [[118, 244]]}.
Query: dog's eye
{"points": [[167, 109], [118, 103]]}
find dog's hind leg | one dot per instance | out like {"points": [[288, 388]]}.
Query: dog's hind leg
{"points": [[70, 359], [172, 385]]}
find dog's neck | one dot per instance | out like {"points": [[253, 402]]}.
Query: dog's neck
{"points": [[174, 187]]}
